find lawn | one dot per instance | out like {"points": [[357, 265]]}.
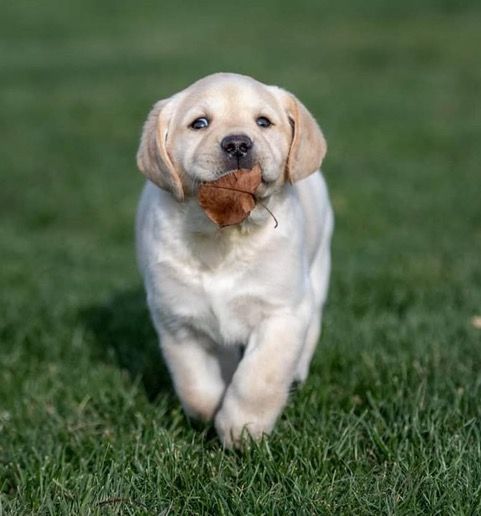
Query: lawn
{"points": [[389, 420]]}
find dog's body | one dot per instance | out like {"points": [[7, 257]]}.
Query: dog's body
{"points": [[254, 287]]}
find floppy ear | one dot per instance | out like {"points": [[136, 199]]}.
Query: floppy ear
{"points": [[308, 145], [153, 159]]}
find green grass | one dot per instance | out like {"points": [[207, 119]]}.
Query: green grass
{"points": [[389, 420]]}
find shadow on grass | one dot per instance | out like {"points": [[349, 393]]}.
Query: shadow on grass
{"points": [[123, 333]]}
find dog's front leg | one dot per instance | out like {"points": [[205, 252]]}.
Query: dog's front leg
{"points": [[199, 370], [260, 385]]}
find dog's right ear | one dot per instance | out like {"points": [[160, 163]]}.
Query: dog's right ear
{"points": [[153, 159]]}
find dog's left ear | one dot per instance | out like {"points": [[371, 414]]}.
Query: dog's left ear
{"points": [[308, 145]]}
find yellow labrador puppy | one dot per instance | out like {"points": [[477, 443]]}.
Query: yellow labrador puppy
{"points": [[238, 309]]}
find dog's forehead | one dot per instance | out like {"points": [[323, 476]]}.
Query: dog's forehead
{"points": [[221, 92]]}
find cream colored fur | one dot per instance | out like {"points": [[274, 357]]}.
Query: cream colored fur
{"points": [[237, 310]]}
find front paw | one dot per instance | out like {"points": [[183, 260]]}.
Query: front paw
{"points": [[236, 430]]}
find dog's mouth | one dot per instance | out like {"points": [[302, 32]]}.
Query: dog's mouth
{"points": [[229, 199], [265, 182], [241, 162]]}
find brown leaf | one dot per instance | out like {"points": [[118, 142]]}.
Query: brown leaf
{"points": [[230, 199]]}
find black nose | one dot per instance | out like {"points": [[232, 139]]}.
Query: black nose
{"points": [[237, 145]]}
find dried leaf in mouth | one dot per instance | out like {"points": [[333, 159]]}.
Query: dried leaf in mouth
{"points": [[230, 199]]}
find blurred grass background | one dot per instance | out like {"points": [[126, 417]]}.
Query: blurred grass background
{"points": [[389, 420]]}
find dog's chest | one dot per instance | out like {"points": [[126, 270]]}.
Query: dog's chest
{"points": [[231, 307], [223, 287], [223, 304]]}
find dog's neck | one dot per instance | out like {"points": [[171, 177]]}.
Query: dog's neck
{"points": [[211, 245]]}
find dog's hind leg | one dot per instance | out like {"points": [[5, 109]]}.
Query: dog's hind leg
{"points": [[319, 279], [312, 339]]}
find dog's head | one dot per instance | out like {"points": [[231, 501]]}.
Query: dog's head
{"points": [[225, 122]]}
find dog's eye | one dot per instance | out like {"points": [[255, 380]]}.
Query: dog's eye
{"points": [[200, 123], [262, 121]]}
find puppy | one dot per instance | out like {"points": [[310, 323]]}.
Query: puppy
{"points": [[238, 309]]}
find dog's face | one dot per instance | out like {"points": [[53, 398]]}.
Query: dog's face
{"points": [[225, 122]]}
